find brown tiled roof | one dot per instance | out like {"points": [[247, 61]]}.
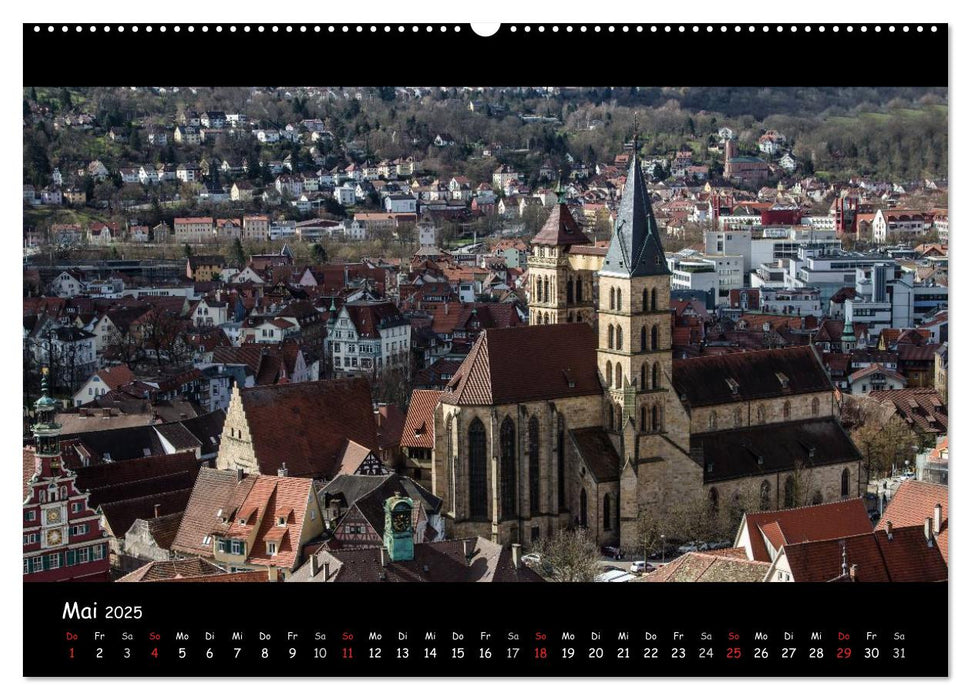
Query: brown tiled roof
{"points": [[703, 381], [390, 423], [504, 366], [561, 229], [114, 377], [866, 371], [115, 474], [597, 452], [766, 449], [708, 567], [215, 490], [164, 528], [825, 521], [419, 423], [176, 568], [120, 515], [922, 409], [369, 317], [905, 557], [441, 562], [913, 502], [319, 417]]}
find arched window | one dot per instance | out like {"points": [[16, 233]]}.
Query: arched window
{"points": [[712, 420], [450, 462], [653, 337], [620, 303], [643, 419], [655, 419], [606, 511], [610, 374], [760, 414], [644, 299], [533, 454], [643, 338], [845, 483], [610, 418], [817, 497], [738, 417], [579, 290], [42, 496], [610, 337], [613, 298], [655, 374], [620, 338], [790, 492], [546, 318], [560, 463], [764, 495], [569, 317], [653, 300], [507, 470], [569, 291], [546, 289], [786, 410], [644, 385], [478, 491], [815, 406], [583, 507], [618, 376], [64, 492], [712, 502]]}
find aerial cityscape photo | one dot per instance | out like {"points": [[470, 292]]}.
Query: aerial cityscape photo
{"points": [[485, 334]]}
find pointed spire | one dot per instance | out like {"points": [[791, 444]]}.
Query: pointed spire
{"points": [[635, 249]]}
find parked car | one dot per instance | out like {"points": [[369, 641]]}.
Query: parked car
{"points": [[611, 552], [641, 567], [531, 559]]}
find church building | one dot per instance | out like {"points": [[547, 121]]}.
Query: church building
{"points": [[585, 419]]}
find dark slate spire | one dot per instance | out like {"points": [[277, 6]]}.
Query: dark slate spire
{"points": [[635, 250]]}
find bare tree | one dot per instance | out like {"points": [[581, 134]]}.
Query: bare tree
{"points": [[569, 555]]}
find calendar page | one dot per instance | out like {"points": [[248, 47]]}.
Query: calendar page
{"points": [[364, 350]]}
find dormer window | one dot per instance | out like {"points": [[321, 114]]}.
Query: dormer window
{"points": [[271, 548], [733, 385], [281, 521], [242, 521], [783, 380]]}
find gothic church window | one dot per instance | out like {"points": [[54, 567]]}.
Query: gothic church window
{"points": [[610, 373], [790, 492], [533, 451], [478, 492], [610, 337], [620, 338], [654, 337], [815, 406], [845, 483], [764, 492], [507, 469], [786, 410], [643, 338]]}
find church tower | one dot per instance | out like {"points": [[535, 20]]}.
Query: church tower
{"points": [[634, 318], [559, 293]]}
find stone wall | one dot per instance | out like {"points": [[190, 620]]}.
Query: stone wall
{"points": [[747, 412]]}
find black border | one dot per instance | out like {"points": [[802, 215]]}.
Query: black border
{"points": [[745, 54]]}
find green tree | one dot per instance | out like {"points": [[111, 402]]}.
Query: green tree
{"points": [[569, 555], [318, 253], [187, 250], [236, 253], [64, 98]]}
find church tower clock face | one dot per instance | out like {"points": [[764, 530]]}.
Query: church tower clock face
{"points": [[401, 520], [54, 537], [53, 516]]}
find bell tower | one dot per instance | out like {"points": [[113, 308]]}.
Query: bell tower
{"points": [[559, 292], [634, 317]]}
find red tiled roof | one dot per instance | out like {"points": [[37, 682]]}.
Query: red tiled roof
{"points": [[319, 417], [708, 567], [419, 423], [390, 423], [270, 498], [500, 367], [825, 521], [921, 408], [370, 317], [913, 502], [905, 557]]}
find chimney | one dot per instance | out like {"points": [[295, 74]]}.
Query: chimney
{"points": [[314, 566], [282, 471], [158, 509], [239, 474], [326, 571], [853, 573], [938, 514], [889, 529], [928, 531], [384, 561], [517, 552]]}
